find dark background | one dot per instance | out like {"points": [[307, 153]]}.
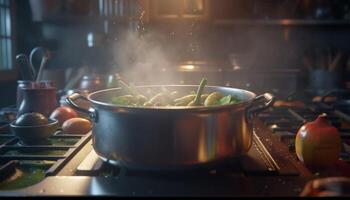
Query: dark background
{"points": [[270, 50]]}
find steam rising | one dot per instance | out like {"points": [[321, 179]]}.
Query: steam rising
{"points": [[143, 60]]}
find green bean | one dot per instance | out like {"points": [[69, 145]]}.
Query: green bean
{"points": [[203, 97], [162, 98], [185, 99], [169, 98], [181, 104], [147, 104], [213, 99], [141, 99], [185, 103], [196, 101]]}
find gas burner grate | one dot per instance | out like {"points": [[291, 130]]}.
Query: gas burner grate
{"points": [[20, 162], [258, 162], [284, 122]]}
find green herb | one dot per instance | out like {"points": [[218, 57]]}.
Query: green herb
{"points": [[235, 99], [225, 100], [229, 99]]}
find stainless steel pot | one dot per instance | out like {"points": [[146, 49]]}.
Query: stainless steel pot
{"points": [[171, 137]]}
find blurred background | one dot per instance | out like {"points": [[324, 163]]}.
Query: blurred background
{"points": [[279, 46]]}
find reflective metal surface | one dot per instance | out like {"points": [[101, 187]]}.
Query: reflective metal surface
{"points": [[175, 137]]}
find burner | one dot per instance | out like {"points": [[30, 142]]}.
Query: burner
{"points": [[22, 165], [42, 142], [257, 162], [285, 122]]}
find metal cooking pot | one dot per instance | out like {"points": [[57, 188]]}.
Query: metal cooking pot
{"points": [[171, 137]]}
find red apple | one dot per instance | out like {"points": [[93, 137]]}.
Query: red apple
{"points": [[63, 113]]}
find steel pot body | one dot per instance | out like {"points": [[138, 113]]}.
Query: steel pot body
{"points": [[175, 137]]}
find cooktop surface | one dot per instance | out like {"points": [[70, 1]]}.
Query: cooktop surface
{"points": [[66, 164]]}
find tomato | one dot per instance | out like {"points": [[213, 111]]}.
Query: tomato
{"points": [[63, 113], [317, 143]]}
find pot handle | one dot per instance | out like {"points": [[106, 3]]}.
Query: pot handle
{"points": [[264, 101], [70, 100], [258, 104], [267, 99]]}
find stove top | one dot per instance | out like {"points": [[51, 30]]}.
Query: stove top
{"points": [[68, 165], [253, 174], [258, 162], [285, 122]]}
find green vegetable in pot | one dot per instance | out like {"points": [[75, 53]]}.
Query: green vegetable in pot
{"points": [[141, 99], [203, 97], [235, 99], [213, 99], [161, 99], [197, 100], [185, 99], [169, 98], [225, 100], [123, 100]]}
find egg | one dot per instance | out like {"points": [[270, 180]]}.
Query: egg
{"points": [[76, 125]]}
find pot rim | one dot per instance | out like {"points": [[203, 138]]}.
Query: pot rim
{"points": [[106, 105]]}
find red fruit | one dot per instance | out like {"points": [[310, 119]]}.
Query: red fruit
{"points": [[317, 143], [63, 113]]}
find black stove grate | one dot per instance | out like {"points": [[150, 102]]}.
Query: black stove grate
{"points": [[284, 122], [24, 163]]}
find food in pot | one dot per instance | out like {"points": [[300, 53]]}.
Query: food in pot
{"points": [[317, 143], [158, 132], [76, 125], [172, 98], [63, 113], [31, 119]]}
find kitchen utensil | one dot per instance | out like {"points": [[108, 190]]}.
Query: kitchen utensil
{"points": [[21, 84], [171, 137], [45, 55], [25, 68], [42, 100], [34, 134], [321, 81]]}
